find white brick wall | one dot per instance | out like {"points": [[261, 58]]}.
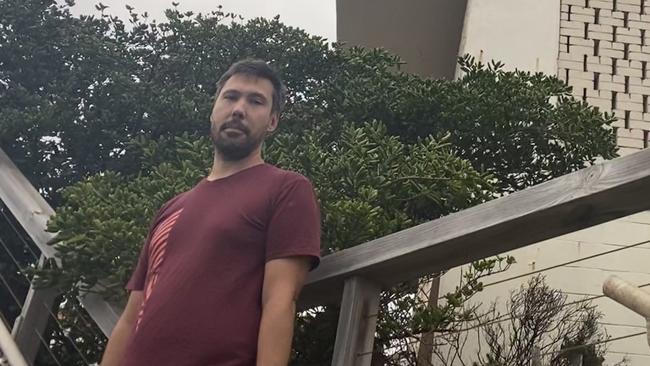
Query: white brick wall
{"points": [[619, 26]]}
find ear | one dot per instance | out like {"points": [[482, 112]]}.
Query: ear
{"points": [[273, 124]]}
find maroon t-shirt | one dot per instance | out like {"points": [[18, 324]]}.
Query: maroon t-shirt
{"points": [[202, 266]]}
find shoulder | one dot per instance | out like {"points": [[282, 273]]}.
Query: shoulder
{"points": [[171, 206], [176, 200], [289, 187], [284, 179]]}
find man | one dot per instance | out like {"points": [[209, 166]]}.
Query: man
{"points": [[224, 262]]}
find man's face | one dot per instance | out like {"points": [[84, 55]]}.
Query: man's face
{"points": [[242, 117]]}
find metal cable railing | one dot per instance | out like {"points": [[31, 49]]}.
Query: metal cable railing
{"points": [[15, 265]]}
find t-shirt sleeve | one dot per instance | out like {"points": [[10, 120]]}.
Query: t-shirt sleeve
{"points": [[294, 227], [139, 276]]}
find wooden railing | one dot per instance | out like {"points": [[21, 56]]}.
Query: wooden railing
{"points": [[354, 277], [32, 212], [588, 197]]}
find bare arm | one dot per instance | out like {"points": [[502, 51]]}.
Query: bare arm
{"points": [[283, 280], [122, 331]]}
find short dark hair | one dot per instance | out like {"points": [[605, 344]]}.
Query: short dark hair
{"points": [[260, 69]]}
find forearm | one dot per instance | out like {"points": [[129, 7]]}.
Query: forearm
{"points": [[116, 344], [276, 333]]}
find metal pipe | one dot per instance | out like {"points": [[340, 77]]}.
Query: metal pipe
{"points": [[629, 296], [9, 347]]}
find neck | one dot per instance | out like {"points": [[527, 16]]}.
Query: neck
{"points": [[222, 168]]}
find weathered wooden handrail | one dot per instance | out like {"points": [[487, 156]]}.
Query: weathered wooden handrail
{"points": [[575, 201], [28, 207]]}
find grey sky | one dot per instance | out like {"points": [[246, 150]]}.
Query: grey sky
{"points": [[315, 16]]}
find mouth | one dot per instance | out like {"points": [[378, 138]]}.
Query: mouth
{"points": [[233, 132], [232, 128]]}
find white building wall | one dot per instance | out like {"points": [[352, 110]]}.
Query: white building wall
{"points": [[538, 35], [521, 33]]}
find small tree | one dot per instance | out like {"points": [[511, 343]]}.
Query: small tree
{"points": [[539, 323]]}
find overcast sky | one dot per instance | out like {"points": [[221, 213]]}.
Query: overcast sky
{"points": [[315, 16]]}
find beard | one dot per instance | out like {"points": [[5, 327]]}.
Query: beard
{"points": [[234, 148]]}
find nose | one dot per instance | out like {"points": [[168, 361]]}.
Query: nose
{"points": [[239, 109]]}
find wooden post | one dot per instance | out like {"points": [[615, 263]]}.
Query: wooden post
{"points": [[355, 334], [103, 313], [425, 349], [33, 320], [629, 296], [537, 357], [576, 359], [8, 347]]}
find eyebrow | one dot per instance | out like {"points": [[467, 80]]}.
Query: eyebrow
{"points": [[251, 94]]}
